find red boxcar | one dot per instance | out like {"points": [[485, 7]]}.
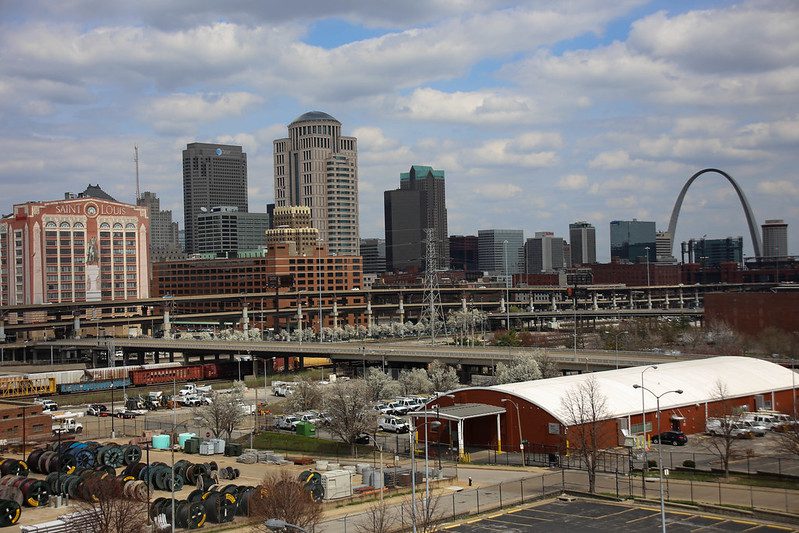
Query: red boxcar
{"points": [[165, 375]]}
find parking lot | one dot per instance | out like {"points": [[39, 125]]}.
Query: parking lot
{"points": [[584, 515]]}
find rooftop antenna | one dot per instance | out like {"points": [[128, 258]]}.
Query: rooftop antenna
{"points": [[136, 160]]}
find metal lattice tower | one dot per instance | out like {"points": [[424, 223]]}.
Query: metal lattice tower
{"points": [[431, 308]]}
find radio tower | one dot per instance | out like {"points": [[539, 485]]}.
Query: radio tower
{"points": [[136, 160], [431, 303]]}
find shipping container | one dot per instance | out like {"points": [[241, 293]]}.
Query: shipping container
{"points": [[165, 375], [64, 376], [91, 386]]}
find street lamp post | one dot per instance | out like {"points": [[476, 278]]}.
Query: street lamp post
{"points": [[507, 284], [519, 425], [660, 449], [647, 265], [643, 429], [412, 435]]}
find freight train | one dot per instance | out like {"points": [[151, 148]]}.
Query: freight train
{"points": [[98, 379]]}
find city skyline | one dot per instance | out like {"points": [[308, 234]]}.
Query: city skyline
{"points": [[560, 113]]}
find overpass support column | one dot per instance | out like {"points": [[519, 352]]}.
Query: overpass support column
{"points": [[369, 319], [460, 438], [2, 329], [532, 305], [299, 320], [335, 315], [202, 358], [666, 301], [286, 363], [167, 325], [499, 436], [696, 297], [648, 299], [632, 302], [502, 306], [401, 310], [596, 304], [171, 356], [75, 327], [141, 357], [245, 320], [554, 304], [156, 357], [613, 299], [463, 305], [682, 300]]}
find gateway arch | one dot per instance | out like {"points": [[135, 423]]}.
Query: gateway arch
{"points": [[750, 216]]}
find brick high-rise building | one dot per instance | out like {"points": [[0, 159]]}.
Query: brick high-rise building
{"points": [[84, 248], [213, 175], [317, 167]]}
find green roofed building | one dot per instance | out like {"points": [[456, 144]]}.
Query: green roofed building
{"points": [[419, 204]]}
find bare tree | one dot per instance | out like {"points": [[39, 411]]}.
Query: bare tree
{"points": [[788, 439], [307, 395], [723, 427], [378, 518], [424, 510], [224, 414], [584, 410], [282, 496], [110, 511], [442, 376], [347, 402]]}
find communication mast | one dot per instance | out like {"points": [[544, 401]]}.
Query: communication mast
{"points": [[431, 303], [136, 160]]}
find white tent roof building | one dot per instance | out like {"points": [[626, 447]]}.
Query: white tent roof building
{"points": [[697, 378]]}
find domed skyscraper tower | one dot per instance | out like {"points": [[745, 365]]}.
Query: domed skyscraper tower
{"points": [[316, 166]]}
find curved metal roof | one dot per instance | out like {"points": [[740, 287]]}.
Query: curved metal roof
{"points": [[314, 115], [742, 376]]}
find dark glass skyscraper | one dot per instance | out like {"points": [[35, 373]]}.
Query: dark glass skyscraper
{"points": [[582, 237], [213, 175], [631, 240], [419, 204]]}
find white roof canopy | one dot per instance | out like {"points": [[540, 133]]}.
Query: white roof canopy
{"points": [[742, 376]]}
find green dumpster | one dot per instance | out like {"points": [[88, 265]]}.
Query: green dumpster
{"points": [[306, 429]]}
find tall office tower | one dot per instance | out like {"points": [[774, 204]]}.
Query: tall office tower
{"points": [[567, 255], [713, 252], [373, 252], [463, 253], [663, 247], [582, 239], [775, 238], [318, 168], [492, 254], [225, 230], [543, 253], [419, 204], [213, 175], [630, 239], [291, 225], [164, 242]]}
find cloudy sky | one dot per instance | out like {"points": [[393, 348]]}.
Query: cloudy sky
{"points": [[541, 113]]}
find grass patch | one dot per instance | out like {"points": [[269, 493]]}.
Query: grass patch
{"points": [[753, 480], [290, 442]]}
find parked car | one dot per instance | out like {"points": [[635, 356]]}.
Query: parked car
{"points": [[755, 428], [313, 418], [363, 438], [393, 424], [125, 414], [676, 438], [288, 422], [97, 409], [719, 427], [47, 405]]}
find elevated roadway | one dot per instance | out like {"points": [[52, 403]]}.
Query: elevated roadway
{"points": [[396, 354]]}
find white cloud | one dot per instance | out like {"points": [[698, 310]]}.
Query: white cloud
{"points": [[470, 107], [178, 113], [779, 188], [497, 191], [573, 182]]}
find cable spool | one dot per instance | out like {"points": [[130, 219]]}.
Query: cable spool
{"points": [[35, 492], [33, 460], [14, 467], [220, 507], [11, 493], [10, 511], [131, 453], [243, 501], [195, 496], [189, 515]]}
